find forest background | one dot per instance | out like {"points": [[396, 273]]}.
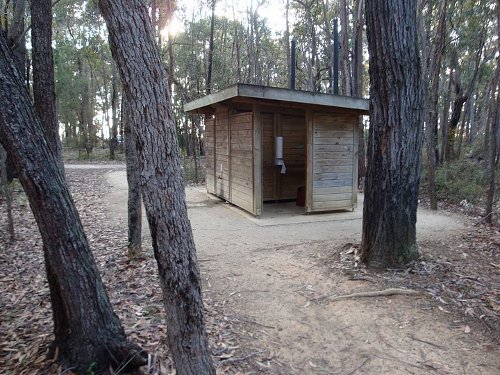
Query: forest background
{"points": [[209, 45]]}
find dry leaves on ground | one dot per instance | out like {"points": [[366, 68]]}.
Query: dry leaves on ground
{"points": [[132, 284]]}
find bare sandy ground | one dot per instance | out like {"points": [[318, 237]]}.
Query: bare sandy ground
{"points": [[268, 274]]}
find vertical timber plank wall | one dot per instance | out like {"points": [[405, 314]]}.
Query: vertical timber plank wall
{"points": [[222, 153], [257, 160], [241, 161], [268, 172], [293, 131], [309, 160], [210, 155], [333, 164]]}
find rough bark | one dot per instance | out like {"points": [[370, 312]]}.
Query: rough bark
{"points": [[432, 95], [144, 82], [87, 331], [395, 134], [16, 38], [44, 91], [134, 207]]}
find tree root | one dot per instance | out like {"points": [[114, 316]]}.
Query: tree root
{"points": [[376, 293], [126, 356]]}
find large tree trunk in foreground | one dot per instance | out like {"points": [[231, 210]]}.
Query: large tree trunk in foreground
{"points": [[87, 331], [144, 82], [395, 135]]}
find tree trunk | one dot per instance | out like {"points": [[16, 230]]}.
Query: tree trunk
{"points": [[17, 42], [287, 43], [444, 118], [431, 112], [462, 132], [44, 91], [456, 112], [134, 181], [88, 334], [208, 83], [461, 99], [492, 152], [170, 44], [7, 193], [395, 135], [113, 137], [141, 69], [358, 86], [493, 138], [344, 51]]}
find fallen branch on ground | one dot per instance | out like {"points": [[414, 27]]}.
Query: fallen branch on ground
{"points": [[375, 293]]}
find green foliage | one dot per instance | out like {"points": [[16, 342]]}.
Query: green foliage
{"points": [[92, 368], [459, 180]]}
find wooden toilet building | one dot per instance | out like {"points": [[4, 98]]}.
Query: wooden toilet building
{"points": [[272, 144]]}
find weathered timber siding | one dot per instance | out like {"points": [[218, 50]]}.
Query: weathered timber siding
{"points": [[241, 161], [222, 154], [210, 155], [293, 131], [333, 162], [268, 167]]}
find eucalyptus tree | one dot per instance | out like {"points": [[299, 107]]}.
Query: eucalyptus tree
{"points": [[395, 134], [143, 77], [88, 335], [431, 68]]}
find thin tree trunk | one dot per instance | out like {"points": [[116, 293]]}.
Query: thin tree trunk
{"points": [[287, 43], [493, 139], [134, 50], [344, 51], [170, 44], [471, 135], [444, 118], [431, 113], [7, 193], [113, 139], [492, 150], [208, 83], [134, 181], [87, 332], [462, 132], [461, 99], [395, 137], [358, 86]]}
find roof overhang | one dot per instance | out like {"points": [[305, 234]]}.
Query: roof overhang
{"points": [[278, 94]]}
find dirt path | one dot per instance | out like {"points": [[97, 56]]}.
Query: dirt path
{"points": [[269, 274]]}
